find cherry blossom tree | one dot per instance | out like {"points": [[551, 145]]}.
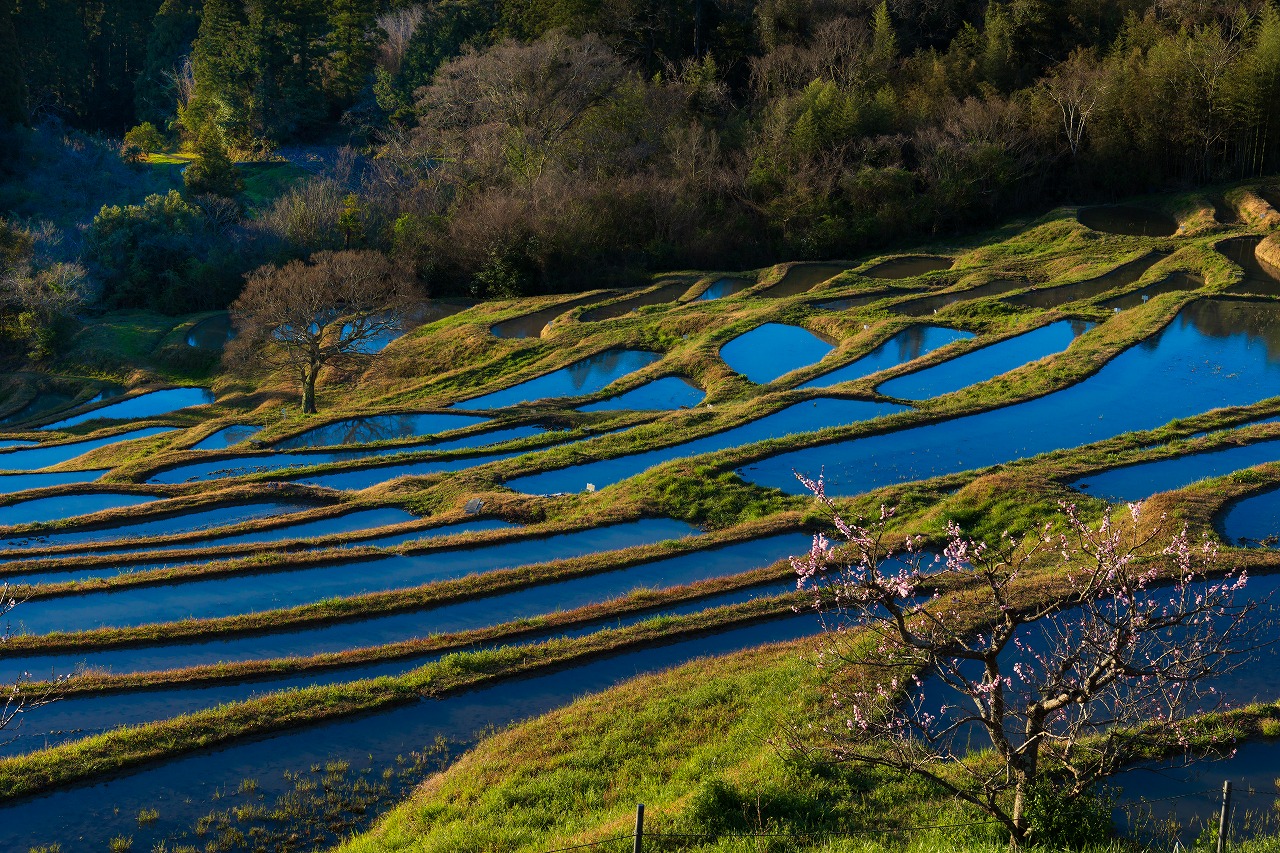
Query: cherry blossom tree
{"points": [[17, 698], [995, 669]]}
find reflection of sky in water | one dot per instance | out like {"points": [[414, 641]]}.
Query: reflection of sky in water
{"points": [[1208, 357], [242, 465], [377, 428], [1255, 520], [142, 406], [983, 364], [360, 521], [181, 790], [250, 593], [1253, 680], [30, 459], [578, 379], [667, 393], [66, 506], [227, 436], [722, 288], [172, 524], [906, 345], [10, 483], [212, 333], [769, 351], [808, 416], [71, 717], [1141, 481]]}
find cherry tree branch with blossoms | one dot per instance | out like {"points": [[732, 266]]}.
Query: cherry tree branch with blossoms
{"points": [[1049, 657]]}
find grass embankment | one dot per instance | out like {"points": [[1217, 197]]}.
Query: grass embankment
{"points": [[129, 746], [380, 603], [635, 603], [122, 748], [459, 359], [705, 748]]}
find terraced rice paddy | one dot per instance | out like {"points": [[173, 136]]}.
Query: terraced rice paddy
{"points": [[428, 559]]}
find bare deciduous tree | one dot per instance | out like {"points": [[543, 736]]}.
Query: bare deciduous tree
{"points": [[1059, 674], [399, 25], [1077, 87], [517, 102], [326, 312]]}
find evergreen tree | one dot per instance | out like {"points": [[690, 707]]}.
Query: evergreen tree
{"points": [[353, 38], [287, 90], [172, 32], [212, 170], [222, 61], [884, 41]]}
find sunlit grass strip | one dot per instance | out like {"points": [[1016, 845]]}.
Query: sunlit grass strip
{"points": [[393, 601], [129, 746], [635, 602]]}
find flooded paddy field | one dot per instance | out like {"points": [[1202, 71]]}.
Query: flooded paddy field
{"points": [[530, 510]]}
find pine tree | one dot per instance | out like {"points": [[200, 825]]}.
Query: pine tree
{"points": [[223, 61], [212, 170], [353, 38], [117, 33], [286, 94], [884, 40], [172, 32]]}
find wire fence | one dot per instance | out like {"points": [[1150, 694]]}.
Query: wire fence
{"points": [[1226, 804]]}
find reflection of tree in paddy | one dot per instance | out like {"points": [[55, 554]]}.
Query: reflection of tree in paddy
{"points": [[1259, 277], [1253, 522], [668, 292], [604, 364], [211, 333], [1223, 318], [365, 430], [1121, 276], [911, 341], [45, 401]]}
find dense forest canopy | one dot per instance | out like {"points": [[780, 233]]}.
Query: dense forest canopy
{"points": [[519, 146]]}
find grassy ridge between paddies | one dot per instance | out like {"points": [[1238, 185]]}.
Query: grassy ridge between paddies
{"points": [[131, 746], [1056, 245], [706, 748], [381, 603], [636, 602], [126, 747]]}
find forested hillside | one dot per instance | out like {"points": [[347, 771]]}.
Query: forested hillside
{"points": [[524, 146]]}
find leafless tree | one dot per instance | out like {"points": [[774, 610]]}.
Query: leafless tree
{"points": [[515, 104], [327, 312], [399, 25], [1077, 87], [1061, 675]]}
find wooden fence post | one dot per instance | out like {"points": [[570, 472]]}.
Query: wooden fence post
{"points": [[1224, 817]]}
